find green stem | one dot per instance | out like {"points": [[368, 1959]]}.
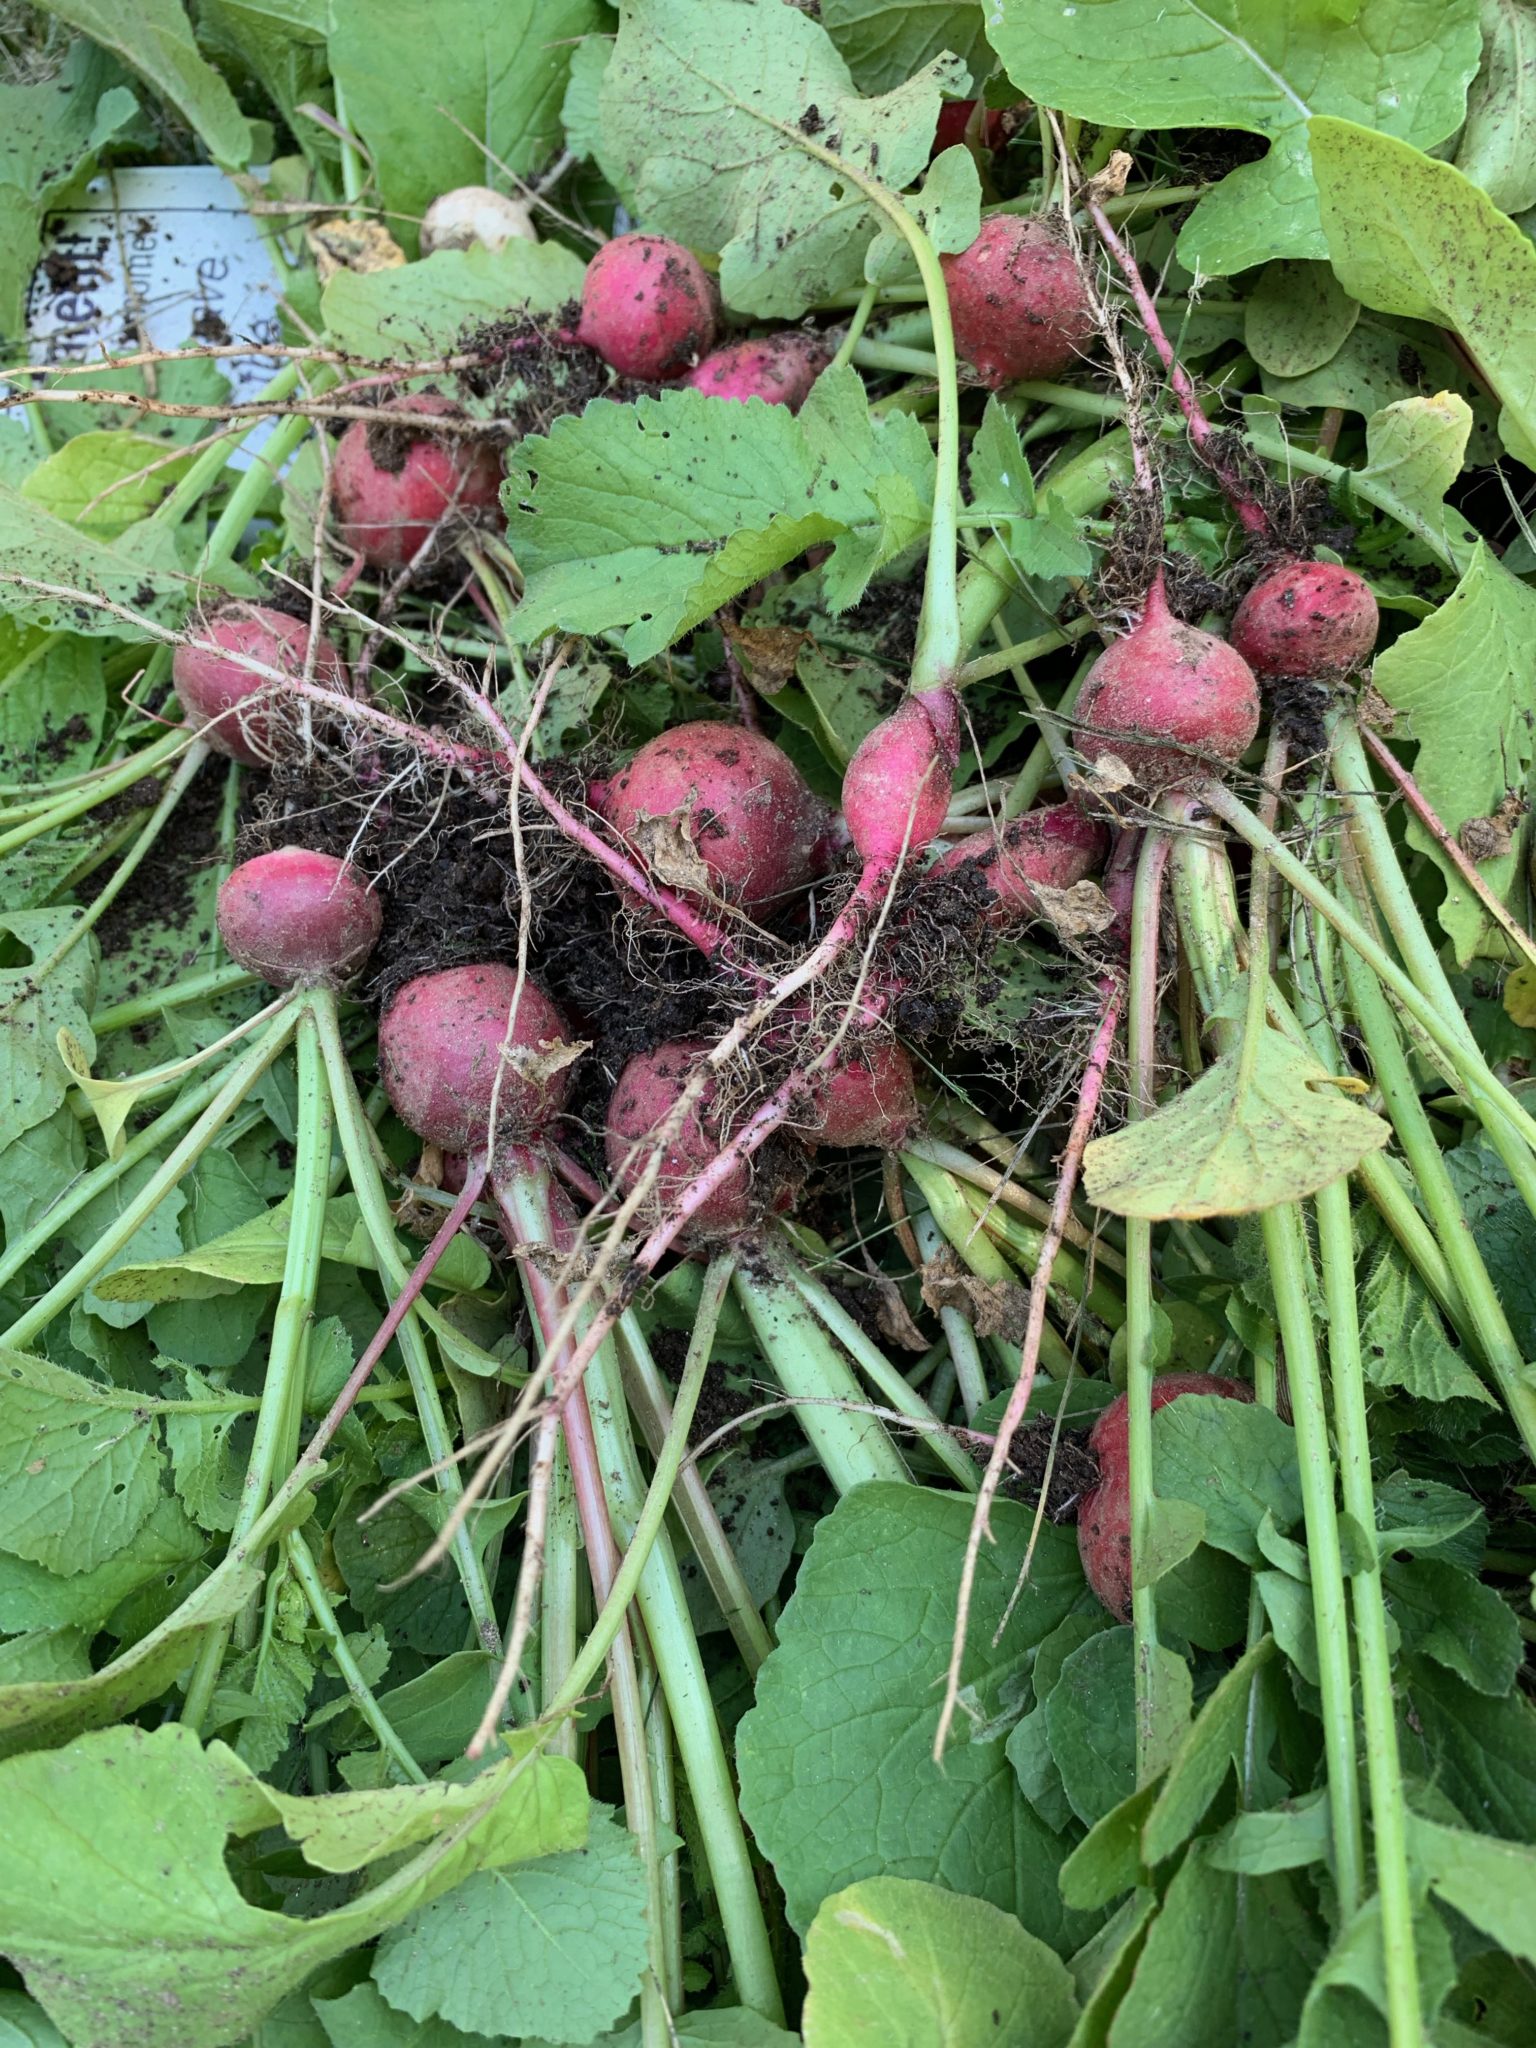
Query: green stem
{"points": [[852, 1445], [891, 355], [126, 773], [356, 1143], [235, 1084], [859, 320], [960, 1339], [209, 467], [218, 981], [275, 1443], [1383, 1766], [1013, 656], [307, 1572], [558, 1595], [1447, 535], [957, 1222]]}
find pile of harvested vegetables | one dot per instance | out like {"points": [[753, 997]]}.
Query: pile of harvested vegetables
{"points": [[767, 1147]]}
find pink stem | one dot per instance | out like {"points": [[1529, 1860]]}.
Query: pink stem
{"points": [[574, 1175], [400, 1308], [1251, 514]]}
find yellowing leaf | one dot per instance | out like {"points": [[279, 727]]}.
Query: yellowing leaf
{"points": [[1220, 1149], [1520, 997]]}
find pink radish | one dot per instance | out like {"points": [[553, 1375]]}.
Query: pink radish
{"points": [[1018, 301], [993, 130], [228, 702], [779, 369], [1104, 1514], [1314, 620], [736, 797], [395, 485], [1052, 847], [896, 788], [441, 1050], [870, 1098], [647, 307], [645, 1097], [1169, 700], [296, 916]]}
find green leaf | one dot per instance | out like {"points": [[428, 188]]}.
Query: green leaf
{"points": [[154, 38], [1349, 1990], [1215, 1741], [55, 575], [1409, 235], [1041, 537], [379, 1558], [1107, 1862], [1492, 1884], [652, 515], [897, 1964], [1450, 1615], [837, 1779], [1222, 1148], [33, 1597], [362, 2019], [1259, 65], [1479, 1750], [25, 2025], [105, 482], [1500, 1227], [120, 1958], [190, 381], [33, 1083], [1465, 681], [47, 1656], [1416, 448], [74, 1484], [1380, 362], [417, 75], [52, 703], [884, 42], [745, 92], [49, 136], [1420, 1514], [1183, 1993], [1235, 1460], [559, 1944], [1291, 1837], [1091, 1719], [1297, 318], [423, 308], [1497, 149], [946, 206], [1403, 1341]]}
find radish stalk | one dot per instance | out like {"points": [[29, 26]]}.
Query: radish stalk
{"points": [[312, 1586], [964, 1351], [559, 1587]]}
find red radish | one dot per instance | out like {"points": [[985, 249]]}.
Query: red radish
{"points": [[229, 703], [1314, 620], [1168, 700], [296, 916], [645, 1097], [647, 307], [1104, 1514], [1018, 301], [955, 119], [394, 485], [735, 796], [869, 1099], [896, 788], [1052, 847], [440, 1052], [780, 369]]}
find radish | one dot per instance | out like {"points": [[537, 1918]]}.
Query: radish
{"points": [[1313, 620], [647, 307], [297, 916], [896, 788], [229, 703], [1052, 847], [394, 486], [441, 1047], [474, 214], [997, 123], [1104, 1514], [780, 369], [870, 1098], [1018, 301], [645, 1097], [738, 801], [1165, 696]]}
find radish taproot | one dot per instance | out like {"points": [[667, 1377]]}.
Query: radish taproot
{"points": [[459, 1044], [647, 307], [1104, 1513], [1018, 301], [221, 691], [896, 789], [1168, 700], [475, 215], [725, 798], [780, 369], [1050, 848], [1315, 621], [394, 483], [869, 1098], [644, 1101], [295, 916]]}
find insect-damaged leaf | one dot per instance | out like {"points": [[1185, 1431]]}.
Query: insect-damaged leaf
{"points": [[1232, 1142]]}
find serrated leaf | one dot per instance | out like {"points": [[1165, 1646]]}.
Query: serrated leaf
{"points": [[105, 482], [892, 1960], [1416, 448], [1403, 1341], [74, 1484], [1223, 1148], [1492, 1884], [423, 308], [1410, 235], [743, 93], [1465, 679], [946, 206], [33, 1597], [1215, 1741], [1450, 1615], [650, 516], [42, 555], [1235, 1460], [1259, 65], [559, 1944], [1040, 534], [837, 1780]]}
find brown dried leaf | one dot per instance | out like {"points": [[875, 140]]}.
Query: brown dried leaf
{"points": [[1493, 837], [993, 1308], [891, 1313], [1081, 912], [358, 245], [768, 653], [666, 846]]}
